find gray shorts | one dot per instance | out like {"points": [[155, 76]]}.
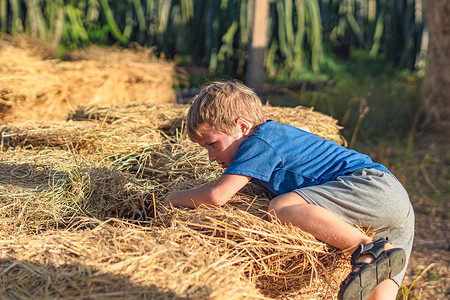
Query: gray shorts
{"points": [[372, 199]]}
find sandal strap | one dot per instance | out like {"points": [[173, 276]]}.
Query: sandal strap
{"points": [[374, 248]]}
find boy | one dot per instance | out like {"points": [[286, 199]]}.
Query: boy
{"points": [[317, 185]]}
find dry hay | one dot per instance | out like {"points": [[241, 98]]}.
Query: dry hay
{"points": [[139, 150], [148, 140], [77, 159], [167, 117], [51, 175], [47, 189], [35, 89], [81, 137], [170, 117], [210, 250], [201, 254], [60, 180]]}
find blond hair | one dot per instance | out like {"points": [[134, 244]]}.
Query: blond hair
{"points": [[219, 105]]}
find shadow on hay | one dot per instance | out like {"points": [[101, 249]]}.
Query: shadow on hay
{"points": [[24, 279], [41, 196]]}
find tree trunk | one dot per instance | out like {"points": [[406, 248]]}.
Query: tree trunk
{"points": [[436, 86], [255, 66]]}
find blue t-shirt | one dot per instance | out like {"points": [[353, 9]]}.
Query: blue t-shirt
{"points": [[281, 158]]}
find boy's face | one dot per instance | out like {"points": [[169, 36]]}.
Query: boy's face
{"points": [[221, 147]]}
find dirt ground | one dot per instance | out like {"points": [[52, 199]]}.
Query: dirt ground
{"points": [[423, 168], [431, 251]]}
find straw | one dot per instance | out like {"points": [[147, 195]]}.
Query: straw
{"points": [[32, 88]]}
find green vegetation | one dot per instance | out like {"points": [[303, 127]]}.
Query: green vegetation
{"points": [[216, 34]]}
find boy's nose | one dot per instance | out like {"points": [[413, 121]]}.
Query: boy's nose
{"points": [[212, 156]]}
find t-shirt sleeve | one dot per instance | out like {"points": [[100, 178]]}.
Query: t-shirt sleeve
{"points": [[255, 158]]}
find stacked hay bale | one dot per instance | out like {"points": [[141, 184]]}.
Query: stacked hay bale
{"points": [[32, 87], [81, 213]]}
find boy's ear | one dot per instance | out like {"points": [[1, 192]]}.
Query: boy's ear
{"points": [[244, 125]]}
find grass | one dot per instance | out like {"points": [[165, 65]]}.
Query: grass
{"points": [[359, 93]]}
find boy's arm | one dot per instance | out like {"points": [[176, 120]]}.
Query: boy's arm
{"points": [[215, 193]]}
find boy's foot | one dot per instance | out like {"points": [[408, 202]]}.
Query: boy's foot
{"points": [[372, 264]]}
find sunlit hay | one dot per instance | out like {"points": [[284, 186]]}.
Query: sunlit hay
{"points": [[163, 165], [171, 116], [170, 162], [218, 252], [47, 188], [203, 254], [136, 148], [279, 258], [119, 262], [36, 89], [318, 123], [168, 117], [81, 137], [121, 162]]}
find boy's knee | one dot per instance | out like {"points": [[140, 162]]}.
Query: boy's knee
{"points": [[280, 202]]}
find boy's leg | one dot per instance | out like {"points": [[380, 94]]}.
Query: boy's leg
{"points": [[291, 208], [371, 199], [385, 290], [367, 197]]}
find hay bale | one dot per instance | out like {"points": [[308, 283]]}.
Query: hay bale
{"points": [[50, 186], [36, 89], [62, 182], [204, 254], [111, 262], [41, 191], [170, 117], [102, 155], [82, 137]]}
